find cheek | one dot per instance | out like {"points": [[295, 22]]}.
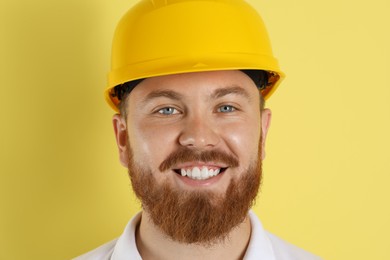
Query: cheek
{"points": [[151, 144], [243, 139], [246, 138]]}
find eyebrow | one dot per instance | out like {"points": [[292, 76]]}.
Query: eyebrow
{"points": [[162, 93], [218, 93], [221, 92]]}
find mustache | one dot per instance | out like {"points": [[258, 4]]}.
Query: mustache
{"points": [[183, 155]]}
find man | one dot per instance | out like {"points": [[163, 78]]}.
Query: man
{"points": [[188, 79]]}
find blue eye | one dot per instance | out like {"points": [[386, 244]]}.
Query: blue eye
{"points": [[226, 109], [168, 111]]}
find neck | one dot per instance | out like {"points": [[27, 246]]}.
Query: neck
{"points": [[153, 244]]}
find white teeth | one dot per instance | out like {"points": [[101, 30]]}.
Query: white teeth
{"points": [[200, 174], [204, 173], [196, 173]]}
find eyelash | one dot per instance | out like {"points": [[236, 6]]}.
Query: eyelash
{"points": [[232, 108], [160, 111], [174, 111]]}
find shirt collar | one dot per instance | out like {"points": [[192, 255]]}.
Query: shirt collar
{"points": [[126, 247], [259, 246]]}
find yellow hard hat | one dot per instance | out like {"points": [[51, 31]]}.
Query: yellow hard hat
{"points": [[163, 37]]}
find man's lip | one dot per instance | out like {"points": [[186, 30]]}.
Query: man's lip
{"points": [[200, 183], [199, 165]]}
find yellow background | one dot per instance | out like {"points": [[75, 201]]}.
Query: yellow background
{"points": [[327, 171]]}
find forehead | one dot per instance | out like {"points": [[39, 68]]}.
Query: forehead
{"points": [[210, 84]]}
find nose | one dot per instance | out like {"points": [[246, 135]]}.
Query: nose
{"points": [[199, 133]]}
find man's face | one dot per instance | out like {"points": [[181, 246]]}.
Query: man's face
{"points": [[193, 141]]}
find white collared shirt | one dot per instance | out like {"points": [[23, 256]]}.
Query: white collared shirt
{"points": [[262, 245]]}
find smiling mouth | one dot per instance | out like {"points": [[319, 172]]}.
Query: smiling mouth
{"points": [[199, 173]]}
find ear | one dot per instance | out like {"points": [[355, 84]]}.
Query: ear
{"points": [[266, 115], [120, 129]]}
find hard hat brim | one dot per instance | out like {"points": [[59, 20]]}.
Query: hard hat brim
{"points": [[196, 63]]}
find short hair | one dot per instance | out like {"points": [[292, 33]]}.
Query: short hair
{"points": [[122, 91]]}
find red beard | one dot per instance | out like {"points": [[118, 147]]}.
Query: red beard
{"points": [[196, 217]]}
